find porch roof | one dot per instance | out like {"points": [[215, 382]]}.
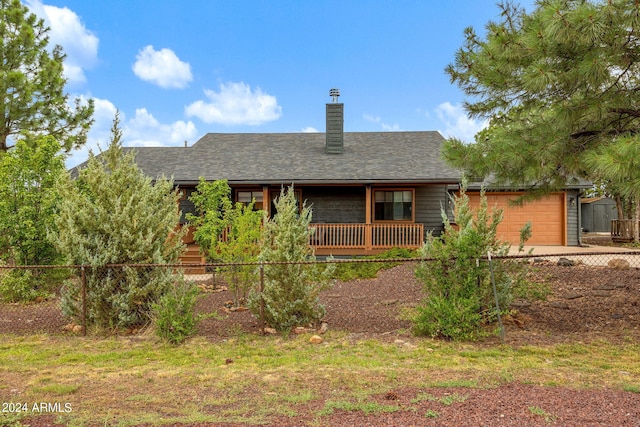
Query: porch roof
{"points": [[285, 158]]}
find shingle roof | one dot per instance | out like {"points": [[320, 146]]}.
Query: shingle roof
{"points": [[264, 158]]}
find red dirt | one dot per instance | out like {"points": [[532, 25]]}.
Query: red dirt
{"points": [[586, 303]]}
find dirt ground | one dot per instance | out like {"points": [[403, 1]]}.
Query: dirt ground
{"points": [[586, 303]]}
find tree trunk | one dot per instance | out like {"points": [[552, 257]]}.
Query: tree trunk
{"points": [[3, 144], [619, 207]]}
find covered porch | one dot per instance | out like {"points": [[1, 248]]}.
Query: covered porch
{"points": [[364, 239], [341, 239]]}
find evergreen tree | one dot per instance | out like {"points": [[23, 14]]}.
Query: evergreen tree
{"points": [[556, 84], [114, 214], [32, 98], [291, 291], [457, 281]]}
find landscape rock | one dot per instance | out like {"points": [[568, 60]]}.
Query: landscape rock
{"points": [[604, 288], [72, 327], [520, 303], [316, 339], [324, 327], [619, 264], [575, 295], [558, 304], [566, 262]]}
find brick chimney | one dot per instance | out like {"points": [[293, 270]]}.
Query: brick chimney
{"points": [[335, 125]]}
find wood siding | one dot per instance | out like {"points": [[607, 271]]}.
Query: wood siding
{"points": [[573, 218], [429, 202]]}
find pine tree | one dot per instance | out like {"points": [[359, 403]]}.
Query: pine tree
{"points": [[556, 84], [32, 97], [114, 214]]}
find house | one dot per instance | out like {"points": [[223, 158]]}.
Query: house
{"points": [[369, 191]]}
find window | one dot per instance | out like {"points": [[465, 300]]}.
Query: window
{"points": [[246, 197], [396, 205]]}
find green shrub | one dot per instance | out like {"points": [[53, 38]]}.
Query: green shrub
{"points": [[241, 226], [28, 207], [455, 317], [174, 315], [291, 291], [457, 280], [19, 285]]}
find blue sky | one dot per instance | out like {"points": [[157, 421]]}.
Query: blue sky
{"points": [[178, 70]]}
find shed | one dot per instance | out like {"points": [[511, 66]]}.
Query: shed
{"points": [[596, 214]]}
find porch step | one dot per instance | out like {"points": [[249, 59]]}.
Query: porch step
{"points": [[193, 256]]}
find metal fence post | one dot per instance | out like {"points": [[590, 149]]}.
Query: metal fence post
{"points": [[84, 302], [495, 293], [262, 321]]}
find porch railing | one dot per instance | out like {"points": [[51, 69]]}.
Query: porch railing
{"points": [[366, 236], [622, 230]]}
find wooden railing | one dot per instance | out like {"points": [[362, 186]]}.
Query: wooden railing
{"points": [[366, 236], [622, 230]]}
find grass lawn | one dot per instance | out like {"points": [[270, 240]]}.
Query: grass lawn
{"points": [[251, 378]]}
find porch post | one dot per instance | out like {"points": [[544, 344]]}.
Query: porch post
{"points": [[266, 202], [368, 232]]}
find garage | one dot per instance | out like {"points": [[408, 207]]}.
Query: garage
{"points": [[547, 217]]}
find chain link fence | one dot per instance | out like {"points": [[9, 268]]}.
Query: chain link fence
{"points": [[66, 299]]}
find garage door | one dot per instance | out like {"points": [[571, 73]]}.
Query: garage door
{"points": [[546, 217]]}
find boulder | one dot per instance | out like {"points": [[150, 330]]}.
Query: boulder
{"points": [[566, 262], [316, 339], [619, 264]]}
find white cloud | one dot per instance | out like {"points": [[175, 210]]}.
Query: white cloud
{"points": [[309, 129], [79, 44], [383, 125], [162, 67], [144, 130], [235, 104], [458, 124], [100, 133]]}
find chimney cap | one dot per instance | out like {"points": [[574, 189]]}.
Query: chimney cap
{"points": [[334, 94]]}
